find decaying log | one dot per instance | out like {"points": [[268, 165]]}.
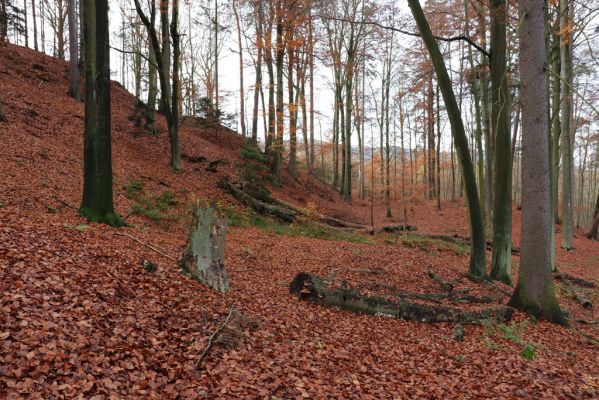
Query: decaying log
{"points": [[314, 289], [213, 165], [580, 298], [561, 276], [204, 255], [464, 240], [446, 285], [396, 229], [193, 159], [278, 208], [258, 205]]}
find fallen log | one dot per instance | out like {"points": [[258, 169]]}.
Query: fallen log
{"points": [[446, 285], [581, 299], [259, 206], [396, 229], [193, 159], [314, 289], [464, 240], [561, 276]]}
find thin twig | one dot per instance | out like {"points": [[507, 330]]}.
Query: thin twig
{"points": [[149, 246], [213, 336]]}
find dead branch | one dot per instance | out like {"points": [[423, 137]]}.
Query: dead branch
{"points": [[213, 337], [149, 246]]}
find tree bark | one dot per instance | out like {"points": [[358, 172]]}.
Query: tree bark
{"points": [[534, 292], [316, 290], [97, 204], [204, 255], [73, 51], [566, 120], [477, 230], [501, 263], [241, 87]]}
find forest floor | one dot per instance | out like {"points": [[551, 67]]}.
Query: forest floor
{"points": [[80, 315]]}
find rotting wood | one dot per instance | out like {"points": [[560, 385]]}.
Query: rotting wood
{"points": [[204, 255], [312, 288], [446, 285], [581, 299], [561, 276]]}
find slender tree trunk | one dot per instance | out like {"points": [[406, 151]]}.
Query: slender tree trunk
{"points": [[34, 17], [279, 54], [152, 88], [73, 54], [501, 263], [430, 102], [97, 204], [311, 77], [292, 104], [174, 122], [241, 87], [258, 83], [534, 292], [477, 230], [566, 136]]}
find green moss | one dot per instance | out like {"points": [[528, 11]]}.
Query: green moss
{"points": [[111, 218], [547, 308]]}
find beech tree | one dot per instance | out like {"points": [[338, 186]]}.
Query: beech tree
{"points": [[502, 202], [169, 95], [477, 230], [534, 292], [97, 204], [73, 51]]}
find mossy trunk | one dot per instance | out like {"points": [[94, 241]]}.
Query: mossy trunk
{"points": [[534, 292], [97, 204], [204, 255], [477, 230], [501, 263]]}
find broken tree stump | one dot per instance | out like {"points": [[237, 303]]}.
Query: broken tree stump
{"points": [[314, 289], [204, 255]]}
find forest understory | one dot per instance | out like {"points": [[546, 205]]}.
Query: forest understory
{"points": [[91, 311]]}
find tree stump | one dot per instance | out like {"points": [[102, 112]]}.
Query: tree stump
{"points": [[204, 255]]}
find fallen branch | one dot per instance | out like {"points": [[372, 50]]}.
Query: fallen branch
{"points": [[446, 285], [464, 240], [149, 246], [64, 203], [581, 299], [258, 205], [212, 337], [562, 276], [484, 281], [315, 289]]}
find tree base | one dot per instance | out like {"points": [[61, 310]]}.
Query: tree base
{"points": [[546, 308], [110, 218]]}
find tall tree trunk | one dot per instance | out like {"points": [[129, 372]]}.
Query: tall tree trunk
{"points": [[566, 136], [430, 132], [97, 204], [73, 54], [241, 87], [477, 230], [152, 88], [34, 17], [174, 122], [258, 83], [534, 292], [311, 77], [292, 104], [501, 263], [279, 54]]}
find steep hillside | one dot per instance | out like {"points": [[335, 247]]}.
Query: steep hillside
{"points": [[81, 314]]}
